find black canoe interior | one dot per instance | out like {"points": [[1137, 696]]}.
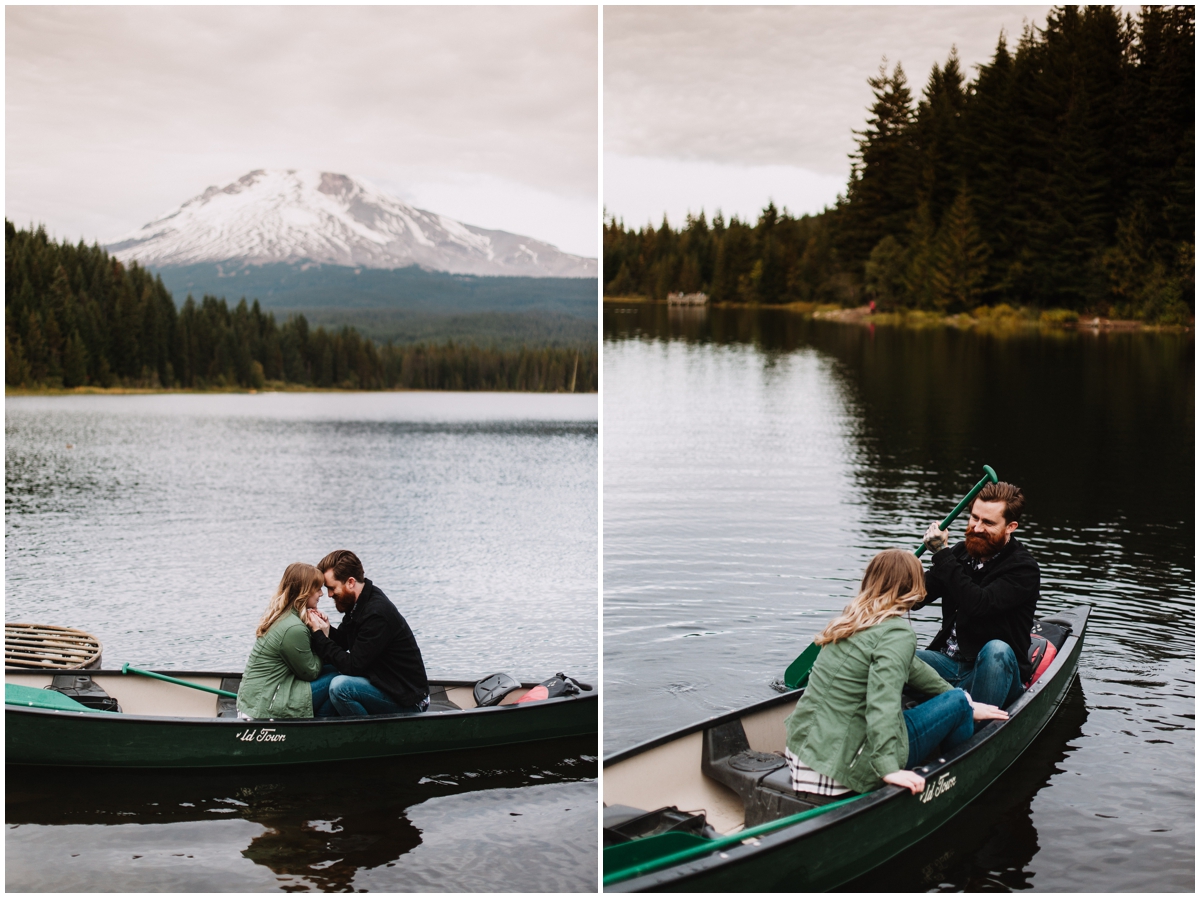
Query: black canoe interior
{"points": [[142, 696], [744, 781]]}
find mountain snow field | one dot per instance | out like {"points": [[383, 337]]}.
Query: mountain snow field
{"points": [[296, 216]]}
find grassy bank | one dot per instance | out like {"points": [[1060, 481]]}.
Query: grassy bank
{"points": [[999, 317], [269, 387]]}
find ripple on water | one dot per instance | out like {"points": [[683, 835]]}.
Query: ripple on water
{"points": [[746, 488]]}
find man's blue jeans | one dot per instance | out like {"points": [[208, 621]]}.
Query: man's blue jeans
{"points": [[358, 697], [993, 679], [944, 719]]}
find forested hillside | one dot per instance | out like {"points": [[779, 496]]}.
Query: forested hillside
{"points": [[1061, 176], [74, 316]]}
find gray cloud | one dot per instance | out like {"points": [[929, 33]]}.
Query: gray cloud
{"points": [[774, 85], [115, 114]]}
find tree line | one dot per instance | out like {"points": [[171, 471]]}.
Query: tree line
{"points": [[1062, 176], [75, 316]]}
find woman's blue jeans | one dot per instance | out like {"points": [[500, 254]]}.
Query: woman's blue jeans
{"points": [[322, 707], [945, 719]]}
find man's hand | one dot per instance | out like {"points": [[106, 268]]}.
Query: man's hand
{"points": [[913, 782], [936, 538], [318, 621]]}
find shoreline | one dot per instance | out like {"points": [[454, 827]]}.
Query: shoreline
{"points": [[246, 391], [1006, 319]]}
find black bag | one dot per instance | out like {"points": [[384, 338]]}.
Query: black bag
{"points": [[491, 689], [84, 690], [555, 687]]}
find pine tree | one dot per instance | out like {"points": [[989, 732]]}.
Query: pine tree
{"points": [[75, 362], [959, 259], [16, 368], [937, 135], [884, 274], [881, 195], [918, 275]]}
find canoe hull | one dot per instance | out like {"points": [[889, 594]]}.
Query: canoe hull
{"points": [[834, 848], [101, 739]]}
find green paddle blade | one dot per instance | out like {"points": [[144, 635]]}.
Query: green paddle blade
{"points": [[30, 697], [796, 676], [619, 858], [631, 859]]}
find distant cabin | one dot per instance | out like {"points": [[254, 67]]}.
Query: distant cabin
{"points": [[687, 299]]}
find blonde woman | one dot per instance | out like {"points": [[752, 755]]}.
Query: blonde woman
{"points": [[848, 732], [283, 678]]}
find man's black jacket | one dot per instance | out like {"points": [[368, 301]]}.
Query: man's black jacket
{"points": [[375, 642], [997, 602]]}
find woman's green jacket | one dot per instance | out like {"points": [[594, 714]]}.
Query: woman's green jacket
{"points": [[275, 682], [849, 723]]}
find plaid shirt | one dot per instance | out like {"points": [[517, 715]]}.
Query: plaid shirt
{"points": [[805, 779]]}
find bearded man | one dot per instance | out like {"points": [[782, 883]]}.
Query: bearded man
{"points": [[989, 586], [372, 662]]}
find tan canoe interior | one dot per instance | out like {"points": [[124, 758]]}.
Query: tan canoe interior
{"points": [[154, 698], [670, 774]]}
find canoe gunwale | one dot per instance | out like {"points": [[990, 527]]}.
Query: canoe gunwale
{"points": [[1065, 662], [290, 721], [180, 674]]}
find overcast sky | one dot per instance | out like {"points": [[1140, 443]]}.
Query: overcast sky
{"points": [[728, 107], [115, 115]]}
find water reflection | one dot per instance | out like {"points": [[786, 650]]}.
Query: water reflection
{"points": [[319, 827], [755, 460], [989, 845]]}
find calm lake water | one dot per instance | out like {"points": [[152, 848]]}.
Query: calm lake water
{"points": [[161, 524], [754, 461]]}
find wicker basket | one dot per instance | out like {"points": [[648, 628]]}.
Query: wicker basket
{"points": [[43, 647]]}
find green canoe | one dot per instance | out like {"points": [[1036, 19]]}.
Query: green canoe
{"points": [[161, 724], [756, 834]]}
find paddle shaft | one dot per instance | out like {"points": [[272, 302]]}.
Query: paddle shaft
{"points": [[988, 477], [126, 669], [797, 672]]}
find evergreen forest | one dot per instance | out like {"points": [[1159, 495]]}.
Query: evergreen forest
{"points": [[1060, 178], [74, 316]]}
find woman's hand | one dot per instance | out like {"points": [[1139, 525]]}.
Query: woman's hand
{"points": [[981, 711], [318, 621], [936, 538], [913, 782]]}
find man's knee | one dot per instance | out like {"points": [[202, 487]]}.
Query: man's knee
{"points": [[339, 686], [999, 653], [997, 649]]}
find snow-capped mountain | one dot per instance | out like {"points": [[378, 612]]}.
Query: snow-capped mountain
{"points": [[304, 217]]}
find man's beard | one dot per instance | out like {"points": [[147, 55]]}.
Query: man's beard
{"points": [[982, 545]]}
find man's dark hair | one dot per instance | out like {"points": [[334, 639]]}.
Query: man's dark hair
{"points": [[343, 563], [1011, 496]]}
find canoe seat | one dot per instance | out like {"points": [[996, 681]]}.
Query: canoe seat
{"points": [[781, 781], [227, 707], [727, 758], [84, 690], [623, 823], [440, 701]]}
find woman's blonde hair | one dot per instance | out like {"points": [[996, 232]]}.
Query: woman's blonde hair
{"points": [[893, 583], [297, 584]]}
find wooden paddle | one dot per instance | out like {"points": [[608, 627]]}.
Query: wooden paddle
{"points": [[796, 676]]}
